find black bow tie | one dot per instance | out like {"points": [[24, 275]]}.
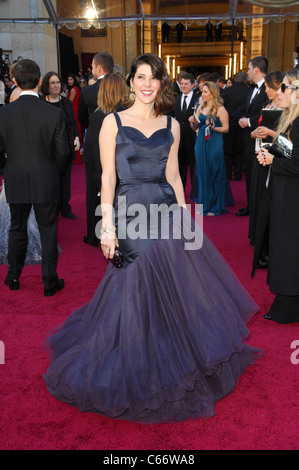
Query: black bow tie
{"points": [[256, 86]]}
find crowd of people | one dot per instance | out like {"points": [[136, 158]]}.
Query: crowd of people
{"points": [[167, 321], [250, 113]]}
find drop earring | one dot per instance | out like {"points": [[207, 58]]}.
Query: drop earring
{"points": [[132, 94]]}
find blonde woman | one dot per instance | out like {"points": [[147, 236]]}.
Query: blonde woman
{"points": [[212, 121], [283, 271]]}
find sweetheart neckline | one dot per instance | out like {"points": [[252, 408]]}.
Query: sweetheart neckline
{"points": [[140, 132]]}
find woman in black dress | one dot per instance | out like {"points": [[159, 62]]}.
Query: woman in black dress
{"points": [[112, 96], [51, 93], [283, 270], [265, 132]]}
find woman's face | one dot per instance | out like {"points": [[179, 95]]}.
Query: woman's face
{"points": [[70, 81], [54, 85], [206, 93], [271, 92], [285, 99], [145, 85]]}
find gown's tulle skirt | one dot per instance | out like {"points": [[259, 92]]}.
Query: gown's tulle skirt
{"points": [[161, 340], [34, 249]]}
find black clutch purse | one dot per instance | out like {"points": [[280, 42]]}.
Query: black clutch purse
{"points": [[117, 259], [281, 147]]}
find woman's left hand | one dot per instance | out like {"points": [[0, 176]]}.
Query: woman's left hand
{"points": [[264, 157], [77, 143]]}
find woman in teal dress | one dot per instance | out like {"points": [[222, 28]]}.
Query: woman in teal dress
{"points": [[212, 119]]}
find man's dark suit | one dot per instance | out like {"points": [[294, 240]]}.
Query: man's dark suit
{"points": [[87, 105], [254, 109], [88, 102], [33, 137], [188, 137], [235, 102], [176, 89]]}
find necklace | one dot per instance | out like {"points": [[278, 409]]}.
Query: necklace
{"points": [[58, 98], [273, 106]]}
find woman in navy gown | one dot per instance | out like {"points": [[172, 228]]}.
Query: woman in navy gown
{"points": [[212, 119], [163, 337]]}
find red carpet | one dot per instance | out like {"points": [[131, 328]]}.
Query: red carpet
{"points": [[262, 412]]}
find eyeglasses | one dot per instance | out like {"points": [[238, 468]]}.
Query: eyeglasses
{"points": [[284, 87]]}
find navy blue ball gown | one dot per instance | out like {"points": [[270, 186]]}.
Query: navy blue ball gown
{"points": [[162, 339], [210, 186]]}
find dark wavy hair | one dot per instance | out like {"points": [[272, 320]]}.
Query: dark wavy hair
{"points": [[165, 98], [76, 81], [45, 83]]}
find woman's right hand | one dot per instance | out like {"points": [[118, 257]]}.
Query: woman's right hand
{"points": [[264, 157], [193, 123]]}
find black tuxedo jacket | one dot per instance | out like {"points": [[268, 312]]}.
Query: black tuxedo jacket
{"points": [[188, 136], [33, 137], [253, 112], [254, 108], [88, 103], [176, 89], [235, 102]]}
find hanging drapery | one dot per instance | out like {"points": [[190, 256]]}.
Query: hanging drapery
{"points": [[113, 23]]}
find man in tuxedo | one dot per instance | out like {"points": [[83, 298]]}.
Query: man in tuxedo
{"points": [[102, 64], [257, 70], [184, 107], [33, 151], [176, 87], [235, 102], [221, 82]]}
